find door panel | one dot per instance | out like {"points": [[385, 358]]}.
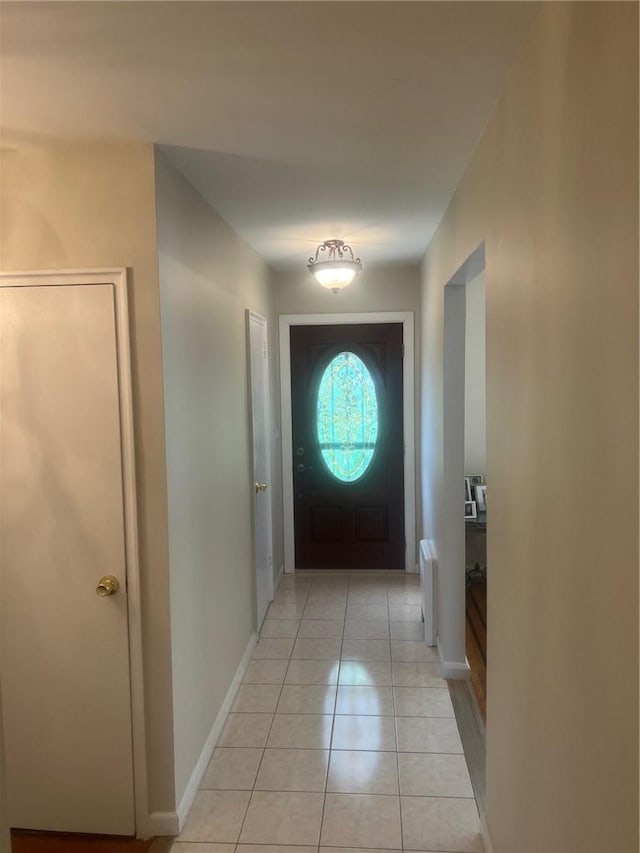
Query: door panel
{"points": [[348, 452], [64, 651], [261, 442]]}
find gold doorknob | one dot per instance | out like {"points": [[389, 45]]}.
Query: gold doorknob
{"points": [[261, 487], [108, 585]]}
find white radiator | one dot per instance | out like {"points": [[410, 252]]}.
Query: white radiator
{"points": [[428, 589]]}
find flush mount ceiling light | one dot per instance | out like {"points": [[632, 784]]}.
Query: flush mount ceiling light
{"points": [[337, 268]]}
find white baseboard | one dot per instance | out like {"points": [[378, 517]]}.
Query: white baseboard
{"points": [[163, 823], [455, 670], [210, 744], [484, 832]]}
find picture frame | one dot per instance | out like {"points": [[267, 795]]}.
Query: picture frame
{"points": [[468, 494], [470, 510], [481, 497]]}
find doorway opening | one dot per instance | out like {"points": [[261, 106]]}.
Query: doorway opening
{"points": [[260, 401], [475, 466], [346, 395], [462, 598], [367, 528]]}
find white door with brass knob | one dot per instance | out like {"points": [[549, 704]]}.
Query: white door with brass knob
{"points": [[64, 653], [261, 434]]}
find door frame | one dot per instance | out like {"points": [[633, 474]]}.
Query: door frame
{"points": [[450, 541], [261, 320], [408, 386], [117, 276]]}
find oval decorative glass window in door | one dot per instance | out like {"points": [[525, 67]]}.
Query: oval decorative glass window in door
{"points": [[347, 417]]}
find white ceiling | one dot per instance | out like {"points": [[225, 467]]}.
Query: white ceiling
{"points": [[298, 121]]}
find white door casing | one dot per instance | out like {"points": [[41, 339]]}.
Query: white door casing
{"points": [[71, 661], [450, 539], [261, 458], [404, 317]]}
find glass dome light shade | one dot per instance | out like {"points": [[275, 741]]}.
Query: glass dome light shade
{"points": [[335, 275]]}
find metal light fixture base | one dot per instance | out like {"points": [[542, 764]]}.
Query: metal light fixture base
{"points": [[338, 268]]}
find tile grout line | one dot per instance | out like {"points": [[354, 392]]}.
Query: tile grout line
{"points": [[339, 749], [395, 732], [316, 791], [333, 720], [347, 714]]}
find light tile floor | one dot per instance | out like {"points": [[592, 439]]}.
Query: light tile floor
{"points": [[342, 737]]}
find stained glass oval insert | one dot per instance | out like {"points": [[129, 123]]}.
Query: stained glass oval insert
{"points": [[347, 417]]}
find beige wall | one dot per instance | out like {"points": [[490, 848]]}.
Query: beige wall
{"points": [[93, 206], [77, 206], [208, 278], [392, 288], [552, 189]]}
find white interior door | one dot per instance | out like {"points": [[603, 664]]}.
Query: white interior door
{"points": [[261, 431], [64, 650]]}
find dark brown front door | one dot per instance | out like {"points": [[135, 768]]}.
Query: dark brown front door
{"points": [[348, 455]]}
